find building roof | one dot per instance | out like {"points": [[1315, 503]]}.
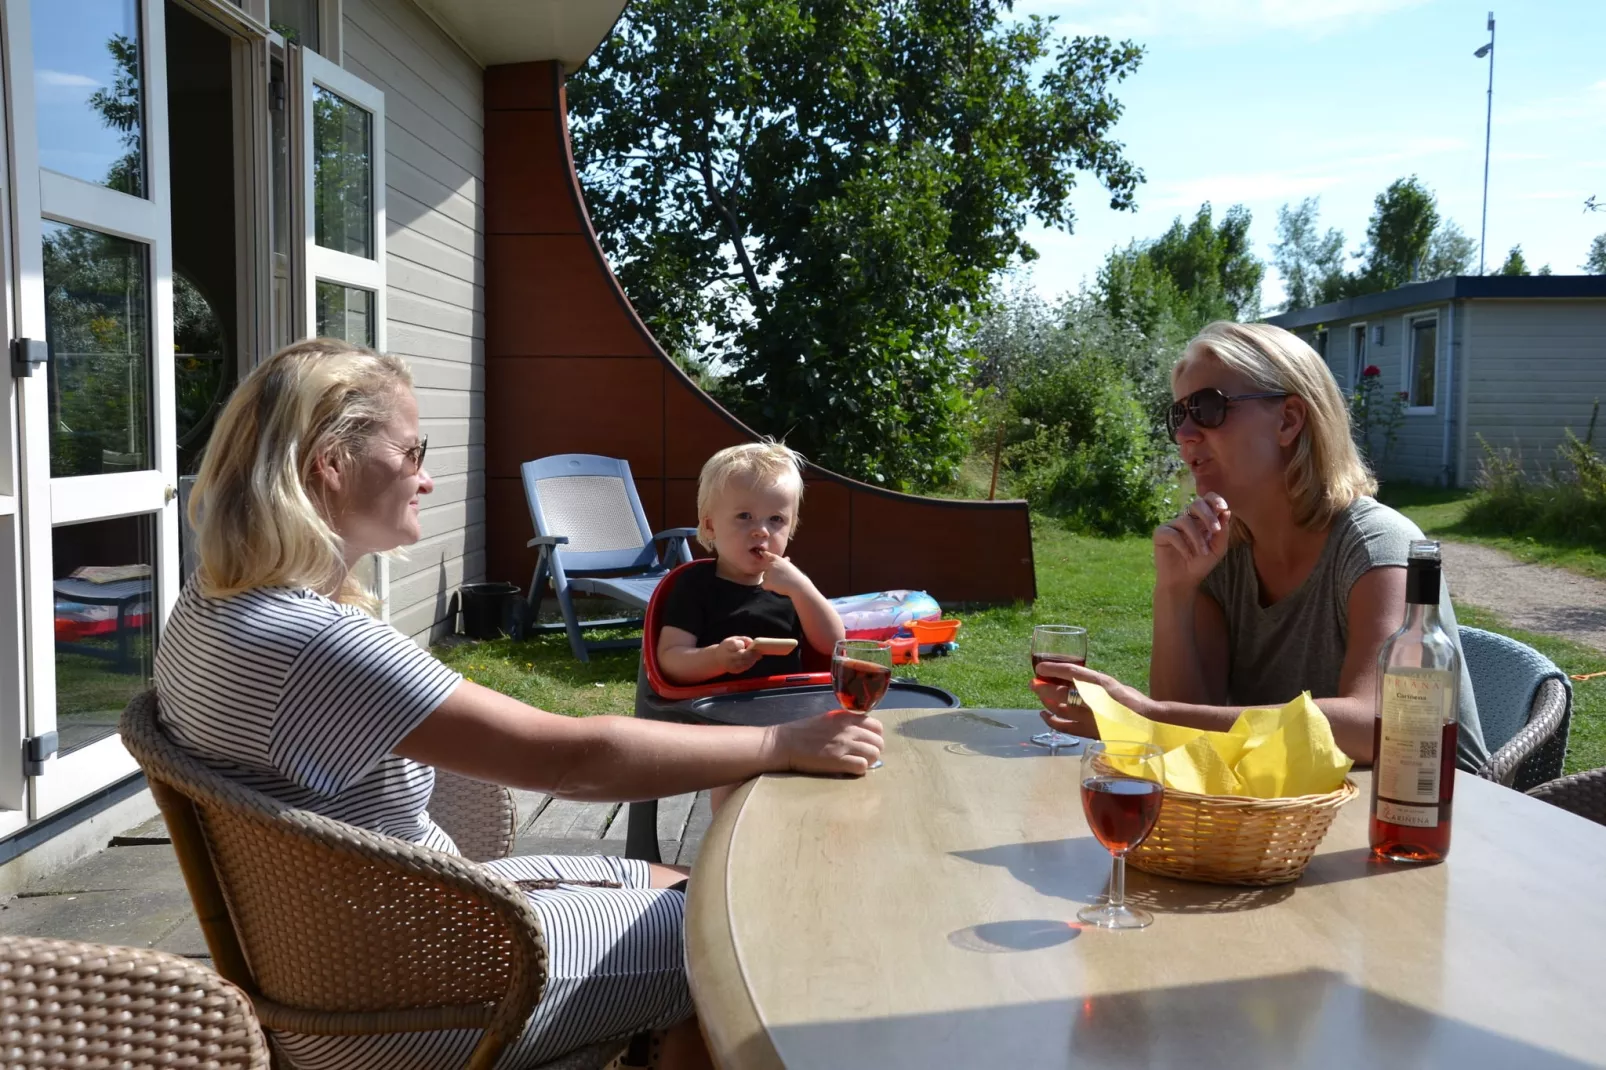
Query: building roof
{"points": [[518, 31], [1458, 287]]}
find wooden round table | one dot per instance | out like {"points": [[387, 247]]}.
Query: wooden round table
{"points": [[924, 917]]}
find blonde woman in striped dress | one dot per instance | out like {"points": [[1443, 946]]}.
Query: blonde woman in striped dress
{"points": [[273, 670]]}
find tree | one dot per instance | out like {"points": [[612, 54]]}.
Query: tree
{"points": [[119, 108], [814, 198], [1192, 274], [1596, 264], [1311, 264], [1515, 264], [1398, 237], [1450, 252]]}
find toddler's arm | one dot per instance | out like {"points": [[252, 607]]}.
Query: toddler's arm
{"points": [[684, 662], [821, 626]]}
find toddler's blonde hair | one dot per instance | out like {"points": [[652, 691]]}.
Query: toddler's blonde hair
{"points": [[766, 460]]}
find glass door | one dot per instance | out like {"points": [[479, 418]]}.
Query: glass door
{"points": [[87, 113]]}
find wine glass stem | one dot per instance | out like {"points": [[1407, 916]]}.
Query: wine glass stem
{"points": [[1118, 881]]}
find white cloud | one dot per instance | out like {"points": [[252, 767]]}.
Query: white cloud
{"points": [[1212, 18], [65, 80]]}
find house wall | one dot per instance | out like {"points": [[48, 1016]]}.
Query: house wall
{"points": [[1417, 454], [1537, 368], [435, 264], [572, 369]]}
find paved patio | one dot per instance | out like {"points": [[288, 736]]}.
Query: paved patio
{"points": [[132, 893]]}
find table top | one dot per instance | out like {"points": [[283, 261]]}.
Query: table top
{"points": [[925, 916]]}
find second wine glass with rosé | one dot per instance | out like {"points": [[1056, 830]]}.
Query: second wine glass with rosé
{"points": [[861, 672], [1058, 642]]}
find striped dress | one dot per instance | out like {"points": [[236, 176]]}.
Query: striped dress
{"points": [[304, 699]]}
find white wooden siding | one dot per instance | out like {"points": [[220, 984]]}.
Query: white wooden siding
{"points": [[435, 274], [1537, 368], [1417, 455]]}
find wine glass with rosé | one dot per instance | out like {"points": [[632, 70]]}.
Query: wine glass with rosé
{"points": [[861, 672], [1058, 642], [1123, 786]]}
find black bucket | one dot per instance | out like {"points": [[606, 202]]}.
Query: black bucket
{"points": [[490, 610]]}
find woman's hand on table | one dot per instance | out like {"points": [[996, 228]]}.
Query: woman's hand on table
{"points": [[1186, 549], [837, 742], [1053, 689]]}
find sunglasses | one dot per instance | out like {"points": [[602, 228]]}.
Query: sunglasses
{"points": [[1208, 407], [415, 454]]}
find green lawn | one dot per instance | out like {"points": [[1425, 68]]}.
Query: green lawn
{"points": [[1102, 584], [1440, 513]]}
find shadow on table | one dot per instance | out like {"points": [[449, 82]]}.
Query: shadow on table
{"points": [[1001, 937], [985, 733], [1078, 870], [1314, 1019]]}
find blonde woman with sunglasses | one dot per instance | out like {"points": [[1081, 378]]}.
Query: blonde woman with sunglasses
{"points": [[1284, 574]]}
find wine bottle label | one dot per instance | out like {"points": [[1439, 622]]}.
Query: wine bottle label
{"points": [[1415, 708], [1422, 817]]}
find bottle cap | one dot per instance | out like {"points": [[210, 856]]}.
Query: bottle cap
{"points": [[1423, 573]]}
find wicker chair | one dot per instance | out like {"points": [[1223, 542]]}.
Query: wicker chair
{"points": [[1525, 705], [65, 1003], [289, 902], [1582, 793]]}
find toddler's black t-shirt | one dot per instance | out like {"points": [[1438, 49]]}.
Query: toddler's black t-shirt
{"points": [[713, 608]]}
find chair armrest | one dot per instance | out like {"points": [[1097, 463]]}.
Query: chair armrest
{"points": [[1582, 793], [548, 540], [1546, 715], [479, 817], [681, 553]]}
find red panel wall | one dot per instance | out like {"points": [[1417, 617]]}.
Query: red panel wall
{"points": [[570, 368]]}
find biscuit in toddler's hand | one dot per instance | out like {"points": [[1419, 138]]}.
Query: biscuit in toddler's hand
{"points": [[774, 647]]}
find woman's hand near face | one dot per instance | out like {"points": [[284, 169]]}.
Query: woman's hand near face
{"points": [[1186, 549]]}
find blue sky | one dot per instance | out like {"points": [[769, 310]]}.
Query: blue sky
{"points": [[1265, 102]]}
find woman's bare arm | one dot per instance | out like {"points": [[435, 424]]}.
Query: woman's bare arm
{"points": [[1188, 662], [1374, 613], [486, 735]]}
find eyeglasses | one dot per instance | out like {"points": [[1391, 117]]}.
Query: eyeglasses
{"points": [[1208, 407], [415, 454]]}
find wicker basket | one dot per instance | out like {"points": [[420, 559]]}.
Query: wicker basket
{"points": [[1228, 839]]}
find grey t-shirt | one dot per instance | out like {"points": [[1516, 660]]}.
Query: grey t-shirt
{"points": [[1298, 643]]}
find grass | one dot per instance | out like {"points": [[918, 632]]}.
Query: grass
{"points": [[1102, 584], [1441, 513]]}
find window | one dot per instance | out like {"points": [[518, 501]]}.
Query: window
{"points": [[1421, 361], [343, 142], [1318, 342], [1357, 353], [88, 91]]}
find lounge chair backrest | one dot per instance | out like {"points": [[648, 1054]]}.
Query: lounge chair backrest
{"points": [[331, 928], [592, 502]]}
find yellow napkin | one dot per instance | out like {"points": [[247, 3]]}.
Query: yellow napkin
{"points": [[1267, 754]]}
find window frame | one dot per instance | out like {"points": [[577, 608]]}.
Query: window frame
{"points": [[328, 265], [1408, 359], [1357, 355]]}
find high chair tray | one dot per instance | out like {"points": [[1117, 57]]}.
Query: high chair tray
{"points": [[783, 704]]}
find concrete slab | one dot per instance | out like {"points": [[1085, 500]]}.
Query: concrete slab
{"points": [[126, 918], [151, 867]]}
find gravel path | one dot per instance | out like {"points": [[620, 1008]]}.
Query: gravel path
{"points": [[1534, 598]]}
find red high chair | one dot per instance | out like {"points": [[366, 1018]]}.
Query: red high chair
{"points": [[760, 701]]}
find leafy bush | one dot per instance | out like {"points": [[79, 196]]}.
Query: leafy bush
{"points": [[1565, 504], [1376, 416], [1077, 392]]}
